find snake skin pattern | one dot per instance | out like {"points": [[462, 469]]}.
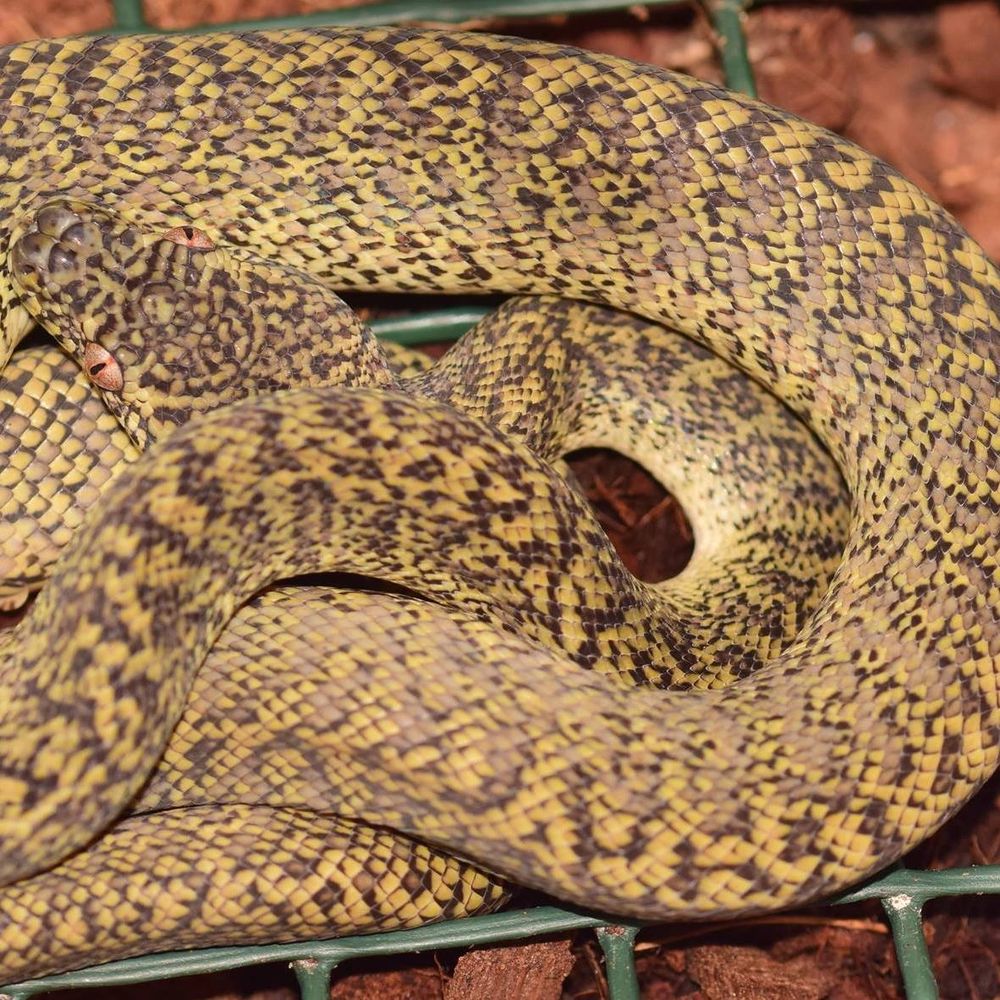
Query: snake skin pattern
{"points": [[158, 304], [287, 874], [417, 160], [59, 446], [655, 396]]}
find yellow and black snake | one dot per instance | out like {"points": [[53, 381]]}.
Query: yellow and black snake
{"points": [[407, 160], [615, 378]]}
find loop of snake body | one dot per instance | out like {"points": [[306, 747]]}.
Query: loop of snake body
{"points": [[655, 396], [419, 160]]}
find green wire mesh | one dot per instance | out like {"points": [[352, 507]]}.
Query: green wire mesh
{"points": [[902, 892]]}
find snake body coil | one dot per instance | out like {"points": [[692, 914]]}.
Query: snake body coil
{"points": [[417, 160]]}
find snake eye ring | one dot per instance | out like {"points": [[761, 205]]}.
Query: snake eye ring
{"points": [[101, 368]]}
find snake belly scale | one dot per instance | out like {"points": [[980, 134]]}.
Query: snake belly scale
{"points": [[418, 160]]}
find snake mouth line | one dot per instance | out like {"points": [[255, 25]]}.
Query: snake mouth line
{"points": [[16, 592]]}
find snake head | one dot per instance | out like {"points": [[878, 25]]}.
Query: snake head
{"points": [[95, 283]]}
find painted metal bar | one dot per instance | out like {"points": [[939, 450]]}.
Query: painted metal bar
{"points": [[906, 921], [404, 11], [313, 978], [512, 925], [617, 941], [727, 18]]}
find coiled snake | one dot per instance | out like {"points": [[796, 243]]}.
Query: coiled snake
{"points": [[417, 160]]}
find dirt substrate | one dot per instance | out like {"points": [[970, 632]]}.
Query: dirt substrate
{"points": [[920, 86]]}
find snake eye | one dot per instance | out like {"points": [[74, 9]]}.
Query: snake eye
{"points": [[188, 236], [101, 368]]}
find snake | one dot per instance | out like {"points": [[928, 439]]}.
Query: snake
{"points": [[270, 651], [417, 160]]}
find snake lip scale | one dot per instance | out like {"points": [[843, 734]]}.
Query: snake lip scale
{"points": [[417, 160]]}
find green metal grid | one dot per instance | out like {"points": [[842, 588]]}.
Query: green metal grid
{"points": [[902, 892]]}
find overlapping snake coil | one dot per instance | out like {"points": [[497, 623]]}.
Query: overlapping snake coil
{"points": [[540, 715]]}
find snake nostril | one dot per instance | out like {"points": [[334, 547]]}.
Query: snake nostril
{"points": [[75, 234], [61, 258], [31, 253]]}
